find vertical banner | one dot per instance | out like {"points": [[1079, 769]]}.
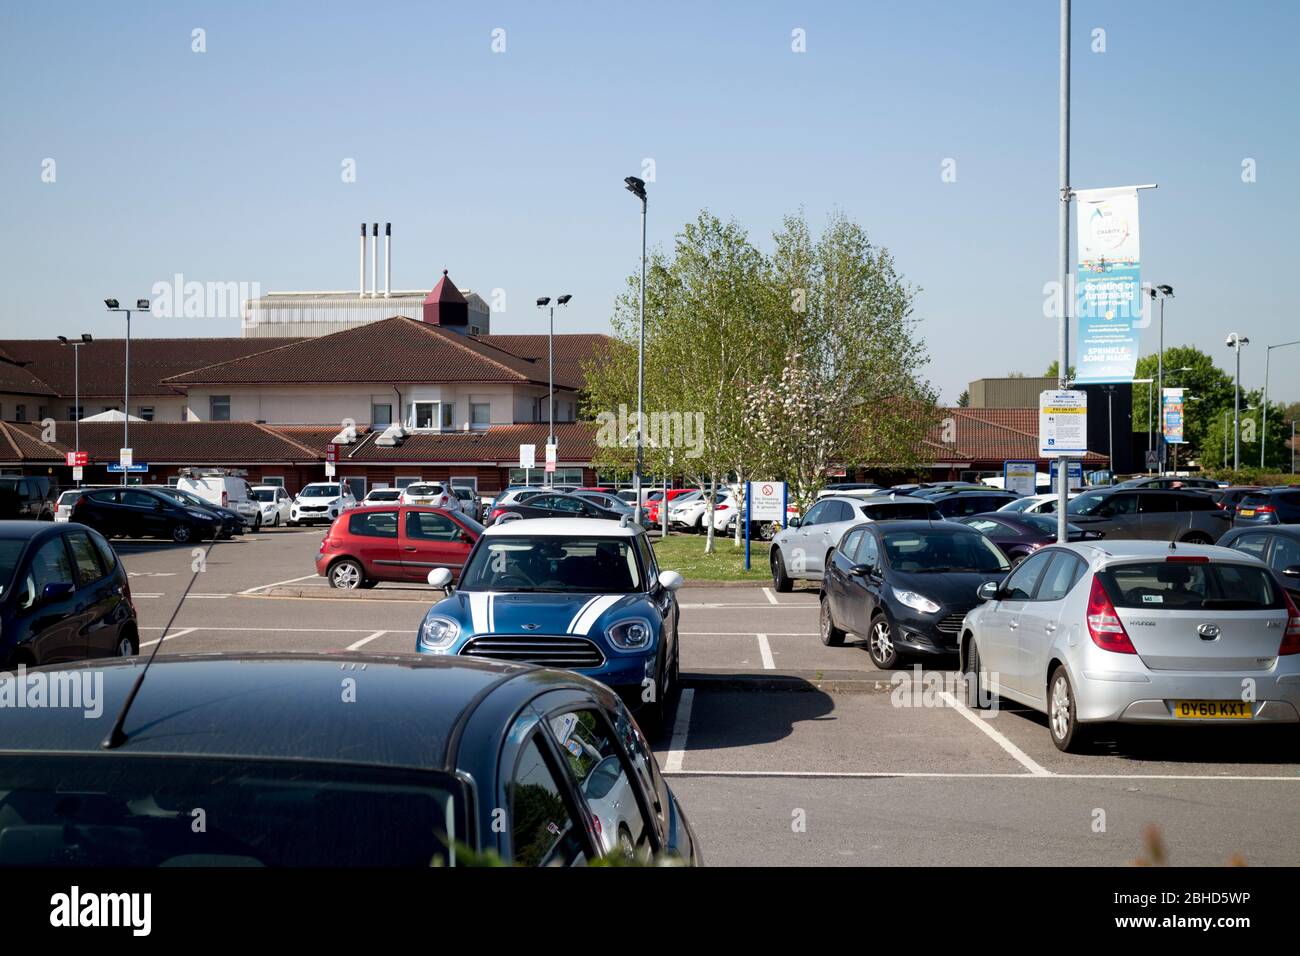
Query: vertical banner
{"points": [[1171, 408], [1108, 285]]}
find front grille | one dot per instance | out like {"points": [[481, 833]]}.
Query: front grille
{"points": [[951, 624], [313, 508], [544, 649]]}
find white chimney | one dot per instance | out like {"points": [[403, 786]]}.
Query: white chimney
{"points": [[363, 261], [374, 263], [388, 264]]}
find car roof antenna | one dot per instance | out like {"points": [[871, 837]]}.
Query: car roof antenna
{"points": [[116, 736]]}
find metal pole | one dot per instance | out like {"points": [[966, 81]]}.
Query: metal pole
{"points": [[1268, 354], [76, 391], [1293, 446], [550, 388], [1225, 438], [1063, 217], [126, 393], [1160, 376], [1110, 429], [1150, 398], [1236, 411], [640, 377]]}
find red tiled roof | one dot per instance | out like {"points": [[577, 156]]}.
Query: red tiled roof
{"points": [[152, 360], [199, 443], [572, 350], [576, 442], [19, 380]]}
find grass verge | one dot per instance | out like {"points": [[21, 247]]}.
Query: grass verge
{"points": [[684, 553]]}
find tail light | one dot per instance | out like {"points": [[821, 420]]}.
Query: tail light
{"points": [[1104, 626], [1291, 639], [721, 507], [225, 499], [1264, 509], [496, 513]]}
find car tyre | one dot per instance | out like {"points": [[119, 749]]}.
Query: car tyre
{"points": [[780, 580], [346, 575], [974, 697], [831, 635], [182, 533], [1062, 722], [276, 522], [128, 644], [257, 523], [880, 643]]}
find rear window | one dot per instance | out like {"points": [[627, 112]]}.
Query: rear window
{"points": [[1187, 586], [424, 489], [902, 509]]}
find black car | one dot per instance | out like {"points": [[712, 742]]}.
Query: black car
{"points": [[958, 504], [1280, 505], [1020, 535], [435, 760], [1170, 482], [1229, 498], [134, 512], [1277, 546], [906, 586], [26, 497], [552, 504], [232, 522], [63, 597], [1149, 514]]}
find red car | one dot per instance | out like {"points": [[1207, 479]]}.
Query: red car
{"points": [[652, 506], [394, 542]]}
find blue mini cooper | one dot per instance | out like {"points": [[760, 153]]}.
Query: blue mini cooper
{"points": [[579, 593]]}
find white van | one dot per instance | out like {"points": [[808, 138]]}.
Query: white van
{"points": [[225, 490]]}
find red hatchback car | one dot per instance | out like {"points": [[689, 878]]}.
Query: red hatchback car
{"points": [[394, 542]]}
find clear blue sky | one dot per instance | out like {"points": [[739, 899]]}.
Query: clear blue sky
{"points": [[507, 168]]}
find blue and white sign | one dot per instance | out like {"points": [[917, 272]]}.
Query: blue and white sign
{"points": [[1108, 285], [1020, 477], [1075, 473], [1171, 414], [133, 469]]}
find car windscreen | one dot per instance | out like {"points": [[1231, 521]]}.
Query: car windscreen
{"points": [[387, 494], [264, 494], [1192, 586], [320, 491], [424, 490], [1086, 504], [11, 549], [587, 565], [902, 509], [935, 550], [183, 497], [134, 811]]}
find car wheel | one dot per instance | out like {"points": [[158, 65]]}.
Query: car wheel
{"points": [[347, 575], [880, 644], [1195, 538], [276, 522], [831, 635], [652, 717], [974, 692], [780, 580], [257, 523], [1062, 721], [182, 533], [128, 645]]}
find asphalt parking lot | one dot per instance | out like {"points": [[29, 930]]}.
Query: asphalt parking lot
{"points": [[785, 751]]}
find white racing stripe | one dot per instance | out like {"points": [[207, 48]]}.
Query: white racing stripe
{"points": [[592, 612], [478, 610], [581, 611]]}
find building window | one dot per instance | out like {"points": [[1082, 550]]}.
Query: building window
{"points": [[146, 412], [275, 480], [381, 414], [448, 416], [356, 485], [20, 412], [480, 414], [422, 414], [76, 412], [400, 482], [219, 408]]}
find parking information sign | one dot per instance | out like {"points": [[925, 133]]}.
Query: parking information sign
{"points": [[1062, 422], [527, 456], [329, 469], [1075, 472], [550, 457], [767, 500], [124, 457], [1020, 477]]}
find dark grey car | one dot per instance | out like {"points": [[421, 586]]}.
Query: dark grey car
{"points": [[1149, 514]]}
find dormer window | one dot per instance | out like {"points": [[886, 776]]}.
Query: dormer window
{"points": [[432, 416]]}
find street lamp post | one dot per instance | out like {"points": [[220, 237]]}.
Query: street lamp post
{"points": [[636, 187], [86, 339], [1235, 341], [1263, 440], [141, 305], [542, 303], [1165, 292]]}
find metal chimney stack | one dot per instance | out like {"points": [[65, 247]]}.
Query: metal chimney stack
{"points": [[388, 264], [363, 261], [374, 263]]}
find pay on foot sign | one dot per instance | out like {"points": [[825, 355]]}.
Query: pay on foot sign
{"points": [[1062, 422]]}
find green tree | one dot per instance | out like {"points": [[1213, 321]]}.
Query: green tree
{"points": [[1218, 447], [1207, 392], [1053, 370], [963, 400]]}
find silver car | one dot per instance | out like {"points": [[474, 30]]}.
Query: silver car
{"points": [[1136, 632], [800, 551]]}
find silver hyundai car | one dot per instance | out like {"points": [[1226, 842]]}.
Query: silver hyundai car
{"points": [[1136, 631]]}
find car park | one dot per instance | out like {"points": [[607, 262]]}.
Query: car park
{"points": [[551, 505], [1278, 546], [276, 504], [1229, 498], [394, 542], [232, 522], [688, 511], [607, 501], [1190, 517], [321, 501], [64, 596], [441, 762], [26, 498], [128, 511], [577, 593], [225, 488], [1280, 505], [905, 586], [1020, 535], [1137, 632]]}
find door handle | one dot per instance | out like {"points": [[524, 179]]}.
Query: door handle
{"points": [[1013, 624], [1050, 627], [409, 548]]}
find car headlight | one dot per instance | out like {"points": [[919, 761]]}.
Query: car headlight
{"points": [[195, 513], [629, 635], [916, 602], [438, 632]]}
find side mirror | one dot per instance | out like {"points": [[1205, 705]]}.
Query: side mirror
{"points": [[794, 522], [988, 591], [56, 589], [860, 570], [1292, 572], [440, 578], [670, 580]]}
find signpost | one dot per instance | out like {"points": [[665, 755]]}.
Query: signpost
{"points": [[77, 459], [329, 469], [1062, 423], [551, 453], [527, 460], [134, 469], [1020, 477], [764, 501], [124, 458]]}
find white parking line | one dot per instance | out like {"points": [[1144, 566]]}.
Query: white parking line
{"points": [[365, 640], [1020, 756], [784, 607], [273, 630], [771, 598], [681, 727], [276, 584], [746, 633], [146, 594], [765, 650], [174, 634], [193, 595], [939, 775]]}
